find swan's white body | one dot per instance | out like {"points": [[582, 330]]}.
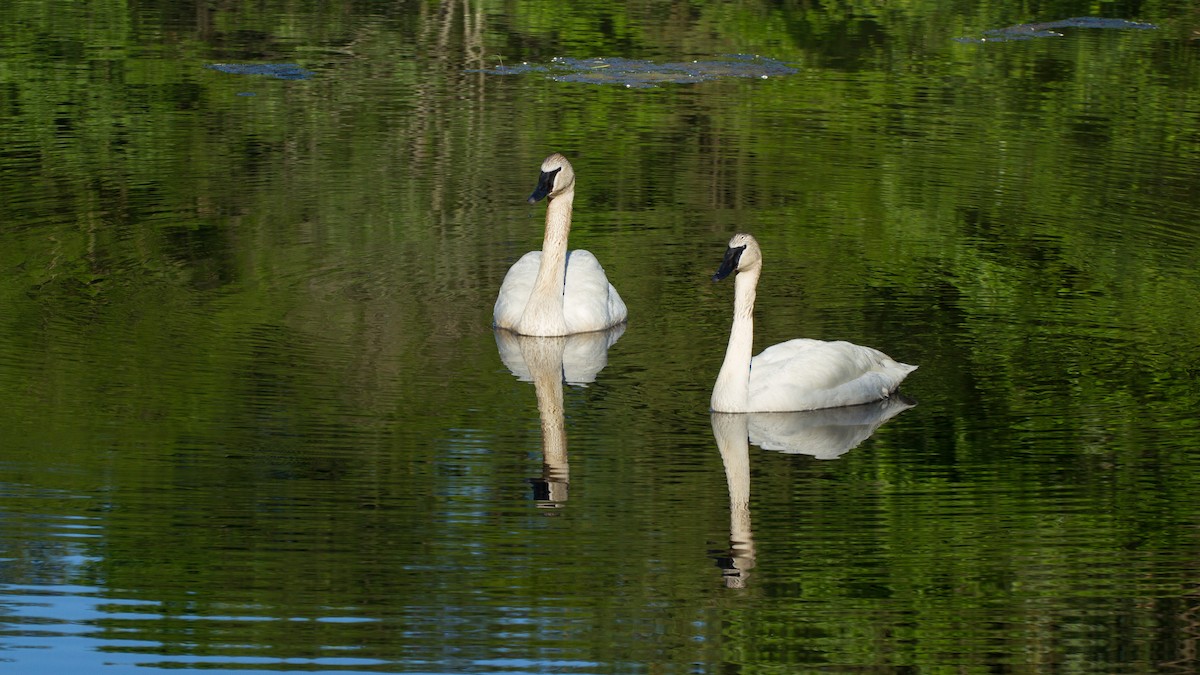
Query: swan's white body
{"points": [[554, 292], [800, 374]]}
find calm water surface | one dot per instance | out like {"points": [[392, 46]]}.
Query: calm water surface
{"points": [[255, 418]]}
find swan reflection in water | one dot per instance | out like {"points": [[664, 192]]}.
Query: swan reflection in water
{"points": [[547, 362], [823, 434]]}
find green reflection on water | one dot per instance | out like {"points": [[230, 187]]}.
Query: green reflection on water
{"points": [[251, 332]]}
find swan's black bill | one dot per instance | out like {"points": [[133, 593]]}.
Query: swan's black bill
{"points": [[730, 263], [544, 186]]}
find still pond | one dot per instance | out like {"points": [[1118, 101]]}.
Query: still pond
{"points": [[254, 416]]}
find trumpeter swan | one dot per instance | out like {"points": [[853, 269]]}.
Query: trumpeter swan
{"points": [[799, 374], [554, 292]]}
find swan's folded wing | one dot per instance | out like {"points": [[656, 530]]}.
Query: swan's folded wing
{"points": [[515, 290], [590, 302], [805, 374]]}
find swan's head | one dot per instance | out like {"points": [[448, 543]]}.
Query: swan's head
{"points": [[743, 253], [557, 177]]}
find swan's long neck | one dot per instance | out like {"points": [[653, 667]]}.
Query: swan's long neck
{"points": [[732, 390], [544, 311]]}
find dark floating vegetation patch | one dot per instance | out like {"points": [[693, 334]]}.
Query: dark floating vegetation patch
{"points": [[282, 71], [644, 74], [1028, 31]]}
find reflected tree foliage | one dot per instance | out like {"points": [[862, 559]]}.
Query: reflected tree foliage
{"points": [[204, 271]]}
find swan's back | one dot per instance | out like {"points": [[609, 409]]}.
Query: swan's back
{"points": [[804, 374]]}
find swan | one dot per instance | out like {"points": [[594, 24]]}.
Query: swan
{"points": [[553, 292], [800, 374]]}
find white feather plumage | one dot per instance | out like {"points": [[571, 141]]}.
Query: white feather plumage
{"points": [[554, 292], [799, 374]]}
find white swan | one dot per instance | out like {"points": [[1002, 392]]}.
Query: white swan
{"points": [[552, 292], [799, 374]]}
